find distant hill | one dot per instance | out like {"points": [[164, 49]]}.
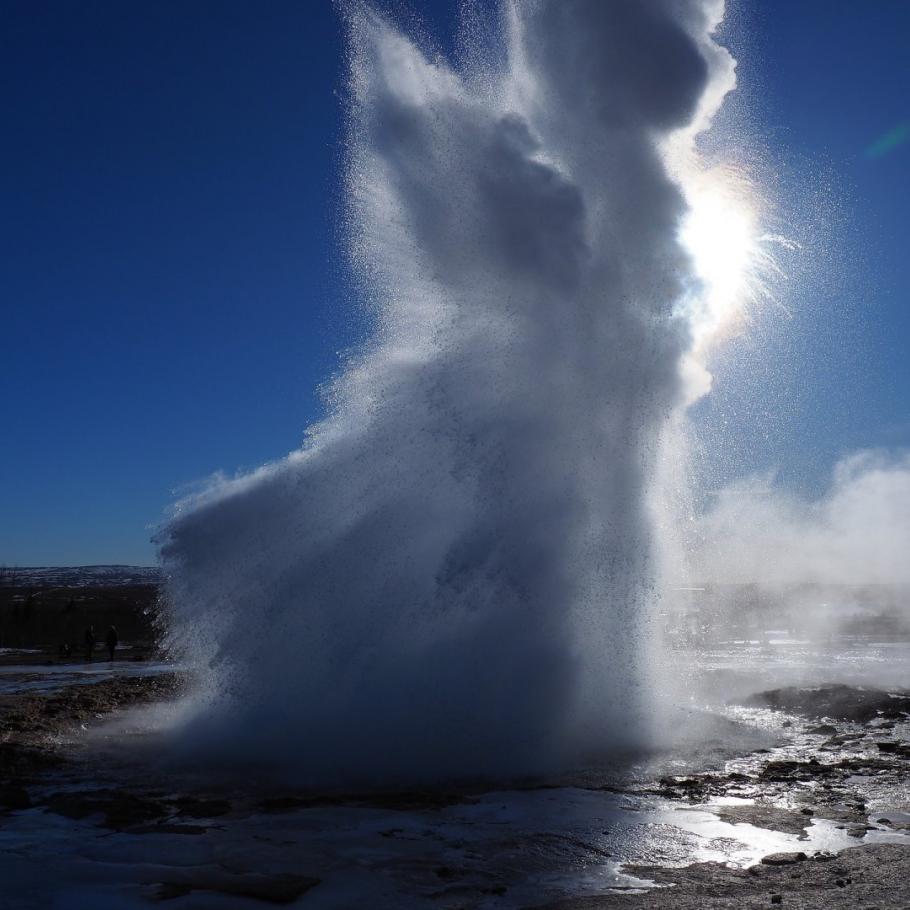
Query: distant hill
{"points": [[78, 576]]}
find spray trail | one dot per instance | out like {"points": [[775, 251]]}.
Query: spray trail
{"points": [[453, 575]]}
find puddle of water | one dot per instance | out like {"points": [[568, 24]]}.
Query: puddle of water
{"points": [[539, 844]]}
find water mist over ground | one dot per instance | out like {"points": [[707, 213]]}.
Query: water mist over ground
{"points": [[455, 573]]}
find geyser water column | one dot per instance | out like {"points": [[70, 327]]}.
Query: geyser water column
{"points": [[452, 576]]}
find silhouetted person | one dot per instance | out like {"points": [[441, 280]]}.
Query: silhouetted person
{"points": [[66, 650], [89, 642], [111, 641]]}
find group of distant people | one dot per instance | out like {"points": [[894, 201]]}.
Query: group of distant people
{"points": [[111, 640]]}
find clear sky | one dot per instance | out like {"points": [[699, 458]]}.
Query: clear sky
{"points": [[172, 287]]}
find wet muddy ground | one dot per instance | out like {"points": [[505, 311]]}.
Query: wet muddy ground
{"points": [[809, 808]]}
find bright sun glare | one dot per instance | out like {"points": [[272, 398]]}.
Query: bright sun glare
{"points": [[720, 234], [731, 253]]}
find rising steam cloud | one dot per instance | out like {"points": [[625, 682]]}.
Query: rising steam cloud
{"points": [[855, 533], [452, 575]]}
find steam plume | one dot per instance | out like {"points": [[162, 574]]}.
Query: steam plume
{"points": [[451, 576], [855, 532]]}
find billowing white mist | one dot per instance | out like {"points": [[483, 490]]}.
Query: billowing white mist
{"points": [[452, 576], [855, 533]]}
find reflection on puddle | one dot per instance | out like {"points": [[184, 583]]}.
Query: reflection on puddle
{"points": [[538, 844], [530, 845]]}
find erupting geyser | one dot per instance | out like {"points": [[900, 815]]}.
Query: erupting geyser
{"points": [[452, 576]]}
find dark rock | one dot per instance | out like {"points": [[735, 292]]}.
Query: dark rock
{"points": [[683, 787], [168, 829], [777, 898], [169, 890], [202, 808], [397, 802], [888, 746], [822, 730], [17, 761], [14, 798], [284, 803], [879, 874], [840, 702], [783, 859], [120, 809], [843, 739], [273, 889], [762, 815], [786, 770]]}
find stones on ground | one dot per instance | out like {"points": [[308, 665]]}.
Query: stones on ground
{"points": [[857, 704], [788, 769], [771, 818], [33, 718], [872, 875], [783, 859], [889, 746]]}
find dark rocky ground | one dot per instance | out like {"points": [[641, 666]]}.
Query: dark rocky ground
{"points": [[859, 757], [31, 724], [849, 759], [871, 877]]}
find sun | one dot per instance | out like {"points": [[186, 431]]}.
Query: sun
{"points": [[723, 236], [732, 259]]}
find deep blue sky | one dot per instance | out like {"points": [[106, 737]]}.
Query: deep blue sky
{"points": [[172, 287]]}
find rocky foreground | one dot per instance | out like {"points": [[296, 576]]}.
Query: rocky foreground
{"points": [[847, 762], [872, 877], [850, 754]]}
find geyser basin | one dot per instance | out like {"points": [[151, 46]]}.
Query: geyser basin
{"points": [[454, 575]]}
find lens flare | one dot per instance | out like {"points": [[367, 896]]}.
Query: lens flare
{"points": [[733, 260], [720, 233]]}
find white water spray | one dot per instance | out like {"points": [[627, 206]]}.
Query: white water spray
{"points": [[454, 575]]}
